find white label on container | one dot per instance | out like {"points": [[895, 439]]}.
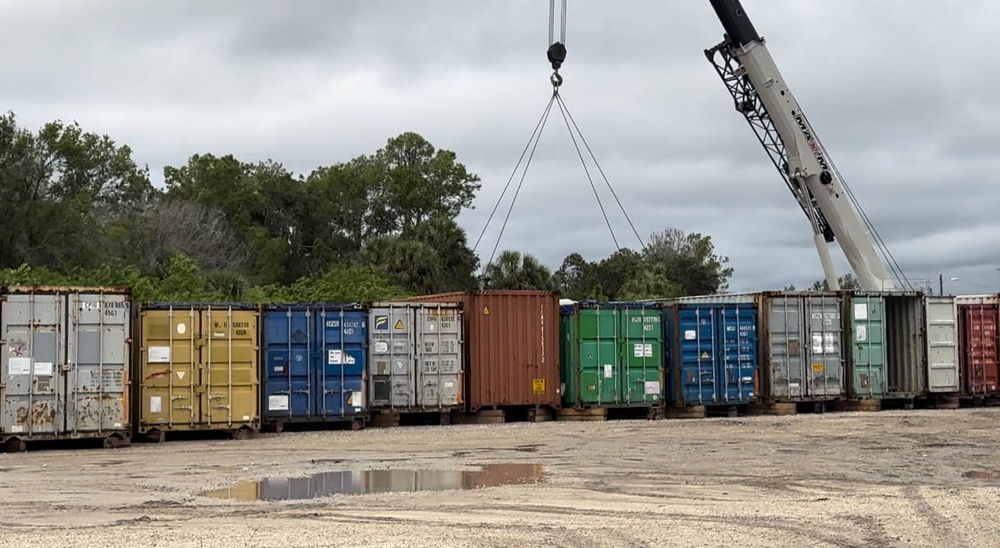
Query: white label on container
{"points": [[16, 429], [19, 366], [118, 425], [861, 333], [155, 404], [335, 357], [449, 384], [220, 334], [246, 417], [159, 354], [642, 350], [793, 385], [43, 369], [279, 368], [430, 327], [860, 311], [817, 343], [181, 328], [277, 403], [381, 347], [652, 387], [608, 373], [830, 343], [690, 335], [358, 399]]}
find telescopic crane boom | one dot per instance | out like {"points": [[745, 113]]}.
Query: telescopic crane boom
{"points": [[762, 96]]}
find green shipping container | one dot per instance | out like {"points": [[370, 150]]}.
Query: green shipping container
{"points": [[612, 355], [867, 363]]}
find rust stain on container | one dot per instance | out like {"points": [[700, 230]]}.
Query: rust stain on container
{"points": [[512, 344], [198, 367]]}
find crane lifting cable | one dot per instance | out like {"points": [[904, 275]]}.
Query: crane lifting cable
{"points": [[556, 54]]}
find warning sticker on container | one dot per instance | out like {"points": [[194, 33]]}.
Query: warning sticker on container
{"points": [[43, 369], [819, 367], [608, 371], [861, 333], [860, 311], [277, 403], [704, 355], [155, 404], [399, 325], [19, 366], [159, 354], [538, 387], [652, 387], [690, 335]]}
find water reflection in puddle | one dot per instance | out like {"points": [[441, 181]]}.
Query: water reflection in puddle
{"points": [[361, 482]]}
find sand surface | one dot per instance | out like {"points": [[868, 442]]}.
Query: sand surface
{"points": [[894, 478]]}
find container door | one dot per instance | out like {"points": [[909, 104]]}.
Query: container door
{"points": [[229, 372], [641, 355], [288, 345], [738, 353], [392, 357], [787, 353], [32, 367], [825, 367], [942, 344], [97, 399], [439, 357], [341, 364], [698, 351], [867, 347], [980, 348], [599, 371], [171, 375]]}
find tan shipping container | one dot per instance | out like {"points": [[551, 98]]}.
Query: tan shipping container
{"points": [[198, 368], [512, 347]]}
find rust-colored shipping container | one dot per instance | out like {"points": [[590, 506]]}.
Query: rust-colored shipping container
{"points": [[978, 319], [512, 347]]}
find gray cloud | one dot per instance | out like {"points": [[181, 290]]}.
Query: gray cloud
{"points": [[899, 91]]}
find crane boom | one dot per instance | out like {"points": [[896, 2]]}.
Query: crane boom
{"points": [[762, 96]]}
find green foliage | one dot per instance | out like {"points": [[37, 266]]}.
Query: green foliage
{"points": [[79, 211], [846, 282]]}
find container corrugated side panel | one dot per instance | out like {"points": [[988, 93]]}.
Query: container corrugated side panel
{"points": [[513, 347], [721, 298], [596, 370], [339, 368], [694, 377], [739, 352], [867, 364], [986, 298], [640, 347], [978, 354], [391, 356], [826, 364], [941, 316], [99, 353], [786, 352], [440, 357], [907, 347], [288, 348], [31, 367], [199, 367]]}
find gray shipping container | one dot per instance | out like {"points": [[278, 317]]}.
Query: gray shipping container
{"points": [[64, 368], [941, 315], [415, 356], [803, 347]]}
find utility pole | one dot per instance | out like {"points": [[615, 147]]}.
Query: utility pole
{"points": [[941, 284]]}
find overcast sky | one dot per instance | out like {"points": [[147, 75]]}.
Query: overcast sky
{"points": [[897, 89]]}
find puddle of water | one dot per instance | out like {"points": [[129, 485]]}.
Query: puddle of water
{"points": [[362, 482]]}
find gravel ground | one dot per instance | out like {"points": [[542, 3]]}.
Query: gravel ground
{"points": [[907, 478]]}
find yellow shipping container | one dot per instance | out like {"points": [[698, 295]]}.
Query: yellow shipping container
{"points": [[198, 369]]}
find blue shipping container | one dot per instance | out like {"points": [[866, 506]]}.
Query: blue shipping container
{"points": [[712, 354], [314, 363]]}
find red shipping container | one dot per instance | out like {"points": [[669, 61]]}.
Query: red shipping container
{"points": [[978, 320], [512, 347]]}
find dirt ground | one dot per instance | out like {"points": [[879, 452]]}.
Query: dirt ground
{"points": [[897, 478]]}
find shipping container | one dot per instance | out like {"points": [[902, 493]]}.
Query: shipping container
{"points": [[712, 350], [416, 356], [941, 334], [612, 355], [512, 347], [314, 363], [198, 368], [803, 346], [64, 373], [866, 364], [978, 318]]}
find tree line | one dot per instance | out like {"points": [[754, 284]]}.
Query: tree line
{"points": [[80, 210]]}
